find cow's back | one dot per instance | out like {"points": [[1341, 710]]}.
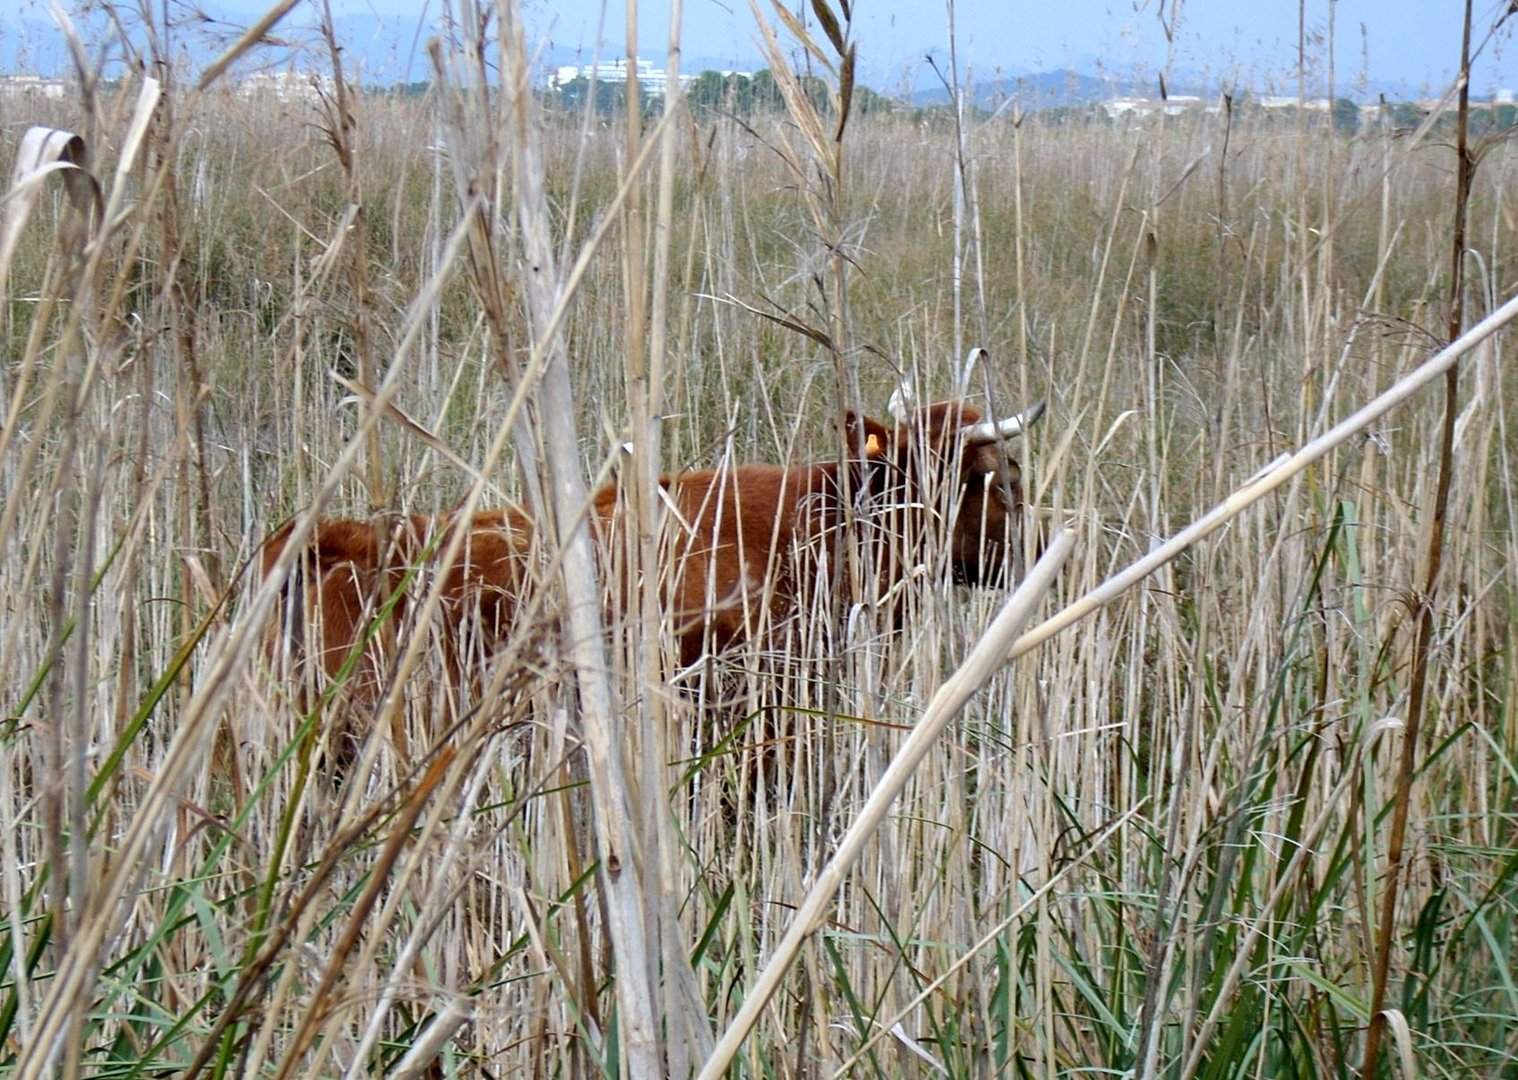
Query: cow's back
{"points": [[488, 583], [730, 541], [345, 573]]}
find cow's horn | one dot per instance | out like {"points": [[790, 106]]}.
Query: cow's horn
{"points": [[903, 401], [1010, 428], [967, 371]]}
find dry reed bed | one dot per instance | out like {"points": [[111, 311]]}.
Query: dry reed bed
{"points": [[1115, 813]]}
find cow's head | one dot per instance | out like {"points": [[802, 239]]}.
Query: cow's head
{"points": [[945, 471]]}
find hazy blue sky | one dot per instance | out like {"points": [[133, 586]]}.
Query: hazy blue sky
{"points": [[1412, 41]]}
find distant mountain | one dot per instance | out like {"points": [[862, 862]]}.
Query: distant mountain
{"points": [[1040, 90]]}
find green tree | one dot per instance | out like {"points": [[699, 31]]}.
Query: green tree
{"points": [[732, 92], [707, 90], [610, 98], [816, 89], [1346, 116], [766, 91], [1499, 116], [867, 101], [1406, 115]]}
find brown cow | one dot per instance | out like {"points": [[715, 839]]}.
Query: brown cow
{"points": [[740, 545], [340, 590]]}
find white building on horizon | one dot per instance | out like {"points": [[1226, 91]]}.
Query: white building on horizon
{"points": [[18, 86], [1174, 105], [653, 80], [287, 85]]}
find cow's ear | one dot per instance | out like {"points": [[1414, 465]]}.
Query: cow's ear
{"points": [[864, 430]]}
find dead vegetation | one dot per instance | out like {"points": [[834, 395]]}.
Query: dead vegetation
{"points": [[1159, 841]]}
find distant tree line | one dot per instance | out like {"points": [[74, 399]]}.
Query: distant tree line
{"points": [[1348, 117], [714, 92], [742, 95]]}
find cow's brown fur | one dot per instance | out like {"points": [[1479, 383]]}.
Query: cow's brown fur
{"points": [[739, 545]]}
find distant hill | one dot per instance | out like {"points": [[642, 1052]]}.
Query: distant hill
{"points": [[1041, 90]]}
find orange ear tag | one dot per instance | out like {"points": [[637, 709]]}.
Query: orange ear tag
{"points": [[872, 445]]}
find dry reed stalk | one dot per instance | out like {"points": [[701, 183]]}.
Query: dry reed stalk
{"points": [[947, 701], [1273, 476], [1090, 732], [681, 1014], [1438, 508], [1035, 899], [824, 194], [1298, 865], [622, 869], [84, 236]]}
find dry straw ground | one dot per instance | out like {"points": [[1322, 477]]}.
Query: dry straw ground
{"points": [[1206, 831]]}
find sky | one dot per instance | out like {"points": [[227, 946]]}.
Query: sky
{"points": [[1416, 41], [1413, 43]]}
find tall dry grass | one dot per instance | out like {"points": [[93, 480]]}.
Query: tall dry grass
{"points": [[1156, 843]]}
